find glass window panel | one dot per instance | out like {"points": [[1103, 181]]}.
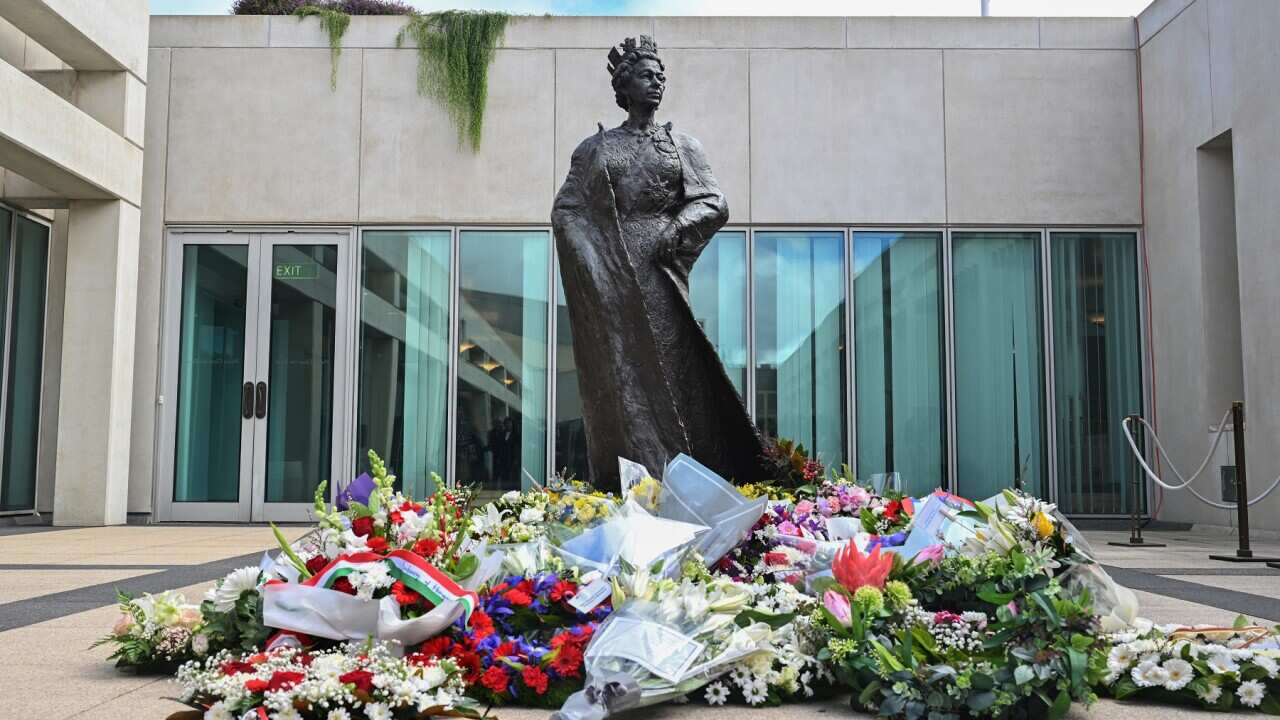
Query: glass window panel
{"points": [[26, 350], [210, 373], [800, 339], [999, 362], [502, 368], [1097, 356], [897, 344], [405, 354], [718, 295], [300, 373]]}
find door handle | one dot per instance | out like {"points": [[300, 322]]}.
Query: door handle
{"points": [[260, 406], [246, 400]]}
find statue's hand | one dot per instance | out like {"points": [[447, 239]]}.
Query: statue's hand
{"points": [[670, 241]]}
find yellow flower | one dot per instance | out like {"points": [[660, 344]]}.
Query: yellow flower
{"points": [[1043, 525], [584, 510]]}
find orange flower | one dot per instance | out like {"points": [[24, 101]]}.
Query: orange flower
{"points": [[854, 570]]}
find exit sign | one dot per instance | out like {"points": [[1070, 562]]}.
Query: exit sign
{"points": [[295, 271]]}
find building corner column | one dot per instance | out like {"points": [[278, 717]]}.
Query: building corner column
{"points": [[95, 403]]}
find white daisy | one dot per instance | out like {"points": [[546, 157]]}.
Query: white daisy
{"points": [[1222, 663], [1120, 658], [1148, 674], [1178, 673], [1251, 692], [236, 582], [755, 693], [717, 693], [1211, 695]]}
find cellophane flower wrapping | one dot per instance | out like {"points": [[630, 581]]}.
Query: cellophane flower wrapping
{"points": [[665, 644]]}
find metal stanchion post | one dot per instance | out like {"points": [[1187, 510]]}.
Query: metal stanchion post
{"points": [[1243, 553], [1135, 494]]}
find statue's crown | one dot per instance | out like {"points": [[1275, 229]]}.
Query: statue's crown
{"points": [[627, 47]]}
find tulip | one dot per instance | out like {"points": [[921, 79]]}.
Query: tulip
{"points": [[853, 570], [838, 605]]}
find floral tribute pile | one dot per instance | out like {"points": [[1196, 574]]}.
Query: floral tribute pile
{"points": [[683, 588]]}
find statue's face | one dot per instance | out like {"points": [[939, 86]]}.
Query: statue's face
{"points": [[646, 84]]}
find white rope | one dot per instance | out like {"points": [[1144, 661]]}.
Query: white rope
{"points": [[1186, 483]]}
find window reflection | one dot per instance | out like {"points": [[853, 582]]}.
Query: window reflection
{"points": [[502, 358], [800, 339]]}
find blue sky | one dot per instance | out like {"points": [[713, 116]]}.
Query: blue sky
{"points": [[735, 7]]}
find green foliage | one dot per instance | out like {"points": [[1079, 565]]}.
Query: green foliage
{"points": [[455, 48], [240, 629], [334, 22]]}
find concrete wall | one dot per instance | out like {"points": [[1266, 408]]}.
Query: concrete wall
{"points": [[1211, 73], [805, 120]]}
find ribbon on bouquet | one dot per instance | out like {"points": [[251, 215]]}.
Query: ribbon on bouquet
{"points": [[312, 607]]}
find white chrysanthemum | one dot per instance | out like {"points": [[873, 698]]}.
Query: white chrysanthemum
{"points": [[1149, 674], [1120, 658], [1178, 673], [717, 693], [1251, 693], [218, 711], [377, 711], [1222, 663], [1211, 695], [288, 713], [235, 583], [532, 515], [1267, 663], [339, 714], [369, 579]]}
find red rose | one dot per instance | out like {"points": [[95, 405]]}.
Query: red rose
{"points": [[255, 685], [376, 543], [775, 558], [362, 679], [235, 667], [568, 661], [343, 585], [481, 625], [495, 679], [426, 547], [316, 564], [282, 680], [535, 678], [395, 517], [563, 590], [362, 526], [517, 597]]}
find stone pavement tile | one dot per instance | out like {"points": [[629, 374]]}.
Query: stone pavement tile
{"points": [[1264, 585], [42, 694], [149, 702], [1162, 609], [132, 545], [1183, 549], [23, 584]]}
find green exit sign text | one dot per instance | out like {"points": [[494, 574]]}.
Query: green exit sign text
{"points": [[295, 271]]}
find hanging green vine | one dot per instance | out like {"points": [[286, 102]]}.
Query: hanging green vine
{"points": [[334, 22], [455, 48]]}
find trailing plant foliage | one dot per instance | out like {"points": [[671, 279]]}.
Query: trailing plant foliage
{"points": [[455, 48], [334, 22], [350, 7]]}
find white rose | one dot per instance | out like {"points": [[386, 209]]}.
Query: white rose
{"points": [[531, 515]]}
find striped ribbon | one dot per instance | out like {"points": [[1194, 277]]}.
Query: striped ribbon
{"points": [[407, 567]]}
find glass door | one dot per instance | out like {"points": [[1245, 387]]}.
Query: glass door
{"points": [[253, 375]]}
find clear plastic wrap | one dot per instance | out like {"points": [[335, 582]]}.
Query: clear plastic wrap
{"points": [[651, 651], [692, 493], [632, 536]]}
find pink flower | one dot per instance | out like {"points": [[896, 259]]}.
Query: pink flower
{"points": [[859, 497], [123, 625], [932, 554], [1013, 608], [788, 528], [804, 507], [838, 606]]}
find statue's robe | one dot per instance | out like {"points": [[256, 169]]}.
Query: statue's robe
{"points": [[651, 383]]}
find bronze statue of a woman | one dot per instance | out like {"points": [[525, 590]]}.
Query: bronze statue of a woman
{"points": [[636, 210]]}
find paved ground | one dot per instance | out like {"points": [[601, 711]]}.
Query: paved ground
{"points": [[57, 589]]}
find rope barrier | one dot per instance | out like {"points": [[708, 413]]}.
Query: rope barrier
{"points": [[1186, 482]]}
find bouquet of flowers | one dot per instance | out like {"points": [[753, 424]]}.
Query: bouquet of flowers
{"points": [[1215, 668], [526, 641], [361, 680], [153, 632]]}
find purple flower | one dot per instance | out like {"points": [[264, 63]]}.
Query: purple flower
{"points": [[357, 490]]}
